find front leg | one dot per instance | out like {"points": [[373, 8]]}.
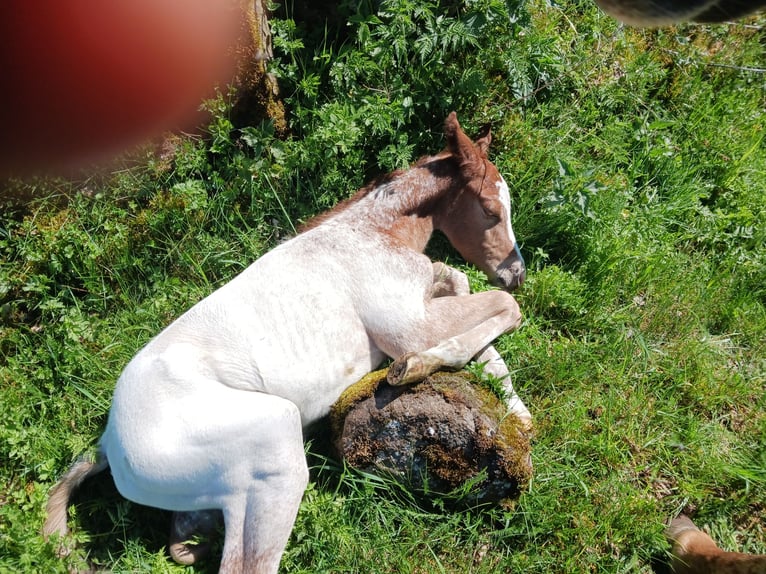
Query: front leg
{"points": [[454, 330], [496, 367], [448, 281]]}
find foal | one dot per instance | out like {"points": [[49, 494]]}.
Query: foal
{"points": [[209, 415]]}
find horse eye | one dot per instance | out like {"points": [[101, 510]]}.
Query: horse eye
{"points": [[490, 212]]}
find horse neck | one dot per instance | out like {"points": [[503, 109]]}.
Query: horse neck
{"points": [[403, 207]]}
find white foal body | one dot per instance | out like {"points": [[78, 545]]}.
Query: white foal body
{"points": [[210, 414]]}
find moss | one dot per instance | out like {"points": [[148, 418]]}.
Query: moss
{"points": [[361, 452], [459, 386], [450, 464], [513, 449], [352, 396], [257, 92]]}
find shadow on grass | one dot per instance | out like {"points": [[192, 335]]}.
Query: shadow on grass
{"points": [[659, 563], [115, 524]]}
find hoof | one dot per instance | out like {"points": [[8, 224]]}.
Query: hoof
{"points": [[406, 370], [188, 554], [187, 528], [525, 425]]}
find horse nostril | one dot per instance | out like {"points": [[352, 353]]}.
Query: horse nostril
{"points": [[518, 268], [519, 275]]}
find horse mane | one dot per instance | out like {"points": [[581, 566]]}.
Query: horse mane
{"points": [[346, 203], [377, 182]]}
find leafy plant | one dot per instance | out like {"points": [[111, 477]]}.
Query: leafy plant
{"points": [[636, 165]]}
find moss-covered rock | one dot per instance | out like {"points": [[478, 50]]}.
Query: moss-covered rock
{"points": [[445, 435]]}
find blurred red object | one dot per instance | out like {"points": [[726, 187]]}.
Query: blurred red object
{"points": [[86, 79]]}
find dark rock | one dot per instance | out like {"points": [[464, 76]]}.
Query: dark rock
{"points": [[446, 435]]}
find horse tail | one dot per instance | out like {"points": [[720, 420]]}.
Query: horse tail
{"points": [[58, 500]]}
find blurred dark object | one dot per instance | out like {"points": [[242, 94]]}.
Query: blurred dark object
{"points": [[663, 12], [85, 80]]}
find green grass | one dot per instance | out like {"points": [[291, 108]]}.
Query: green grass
{"points": [[637, 165]]}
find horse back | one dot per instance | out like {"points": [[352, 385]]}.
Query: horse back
{"points": [[297, 323]]}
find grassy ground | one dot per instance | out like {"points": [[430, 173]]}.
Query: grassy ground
{"points": [[637, 165]]}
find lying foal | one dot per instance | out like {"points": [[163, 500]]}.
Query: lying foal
{"points": [[208, 417]]}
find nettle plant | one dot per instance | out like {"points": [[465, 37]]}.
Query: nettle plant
{"points": [[405, 64]]}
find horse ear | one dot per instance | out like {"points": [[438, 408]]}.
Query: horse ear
{"points": [[485, 138], [459, 144]]}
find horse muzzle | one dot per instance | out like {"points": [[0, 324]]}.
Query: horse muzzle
{"points": [[512, 272]]}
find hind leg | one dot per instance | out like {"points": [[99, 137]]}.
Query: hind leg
{"points": [[263, 500], [259, 519], [215, 448], [264, 495], [258, 524]]}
